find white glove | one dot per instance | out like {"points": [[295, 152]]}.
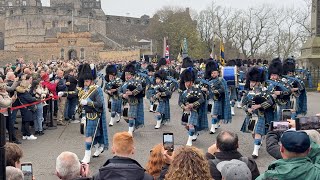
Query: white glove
{"points": [[60, 94], [83, 102]]}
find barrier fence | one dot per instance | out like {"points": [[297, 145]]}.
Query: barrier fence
{"points": [[3, 129]]}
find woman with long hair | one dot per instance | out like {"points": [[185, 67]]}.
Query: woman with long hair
{"points": [[156, 161], [189, 163]]}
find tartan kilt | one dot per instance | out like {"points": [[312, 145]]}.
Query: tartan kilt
{"points": [[91, 128], [233, 93], [139, 120], [217, 108], [193, 118], [116, 105], [133, 111], [149, 93], [260, 127], [164, 109]]}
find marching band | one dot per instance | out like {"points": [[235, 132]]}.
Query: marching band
{"points": [[262, 92]]}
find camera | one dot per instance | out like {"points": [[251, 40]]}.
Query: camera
{"points": [[168, 142], [279, 126], [307, 123], [27, 170]]}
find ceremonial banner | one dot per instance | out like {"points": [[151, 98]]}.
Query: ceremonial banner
{"points": [[222, 53]]}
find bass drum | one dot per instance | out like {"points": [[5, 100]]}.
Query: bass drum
{"points": [[229, 73]]}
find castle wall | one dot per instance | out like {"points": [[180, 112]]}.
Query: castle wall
{"points": [[120, 55], [29, 24], [126, 30]]}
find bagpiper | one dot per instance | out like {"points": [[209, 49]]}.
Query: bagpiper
{"points": [[190, 101], [162, 95], [279, 88], [258, 105], [221, 110], [91, 101], [131, 93], [298, 98], [112, 89]]}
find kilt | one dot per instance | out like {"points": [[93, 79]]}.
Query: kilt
{"points": [[203, 117], [193, 118], [91, 128], [217, 108], [260, 127], [139, 120], [233, 93], [164, 109], [149, 93], [133, 111], [116, 105]]}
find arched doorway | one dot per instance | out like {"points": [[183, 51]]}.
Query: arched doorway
{"points": [[72, 54]]}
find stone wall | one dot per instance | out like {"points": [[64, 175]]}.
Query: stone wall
{"points": [[120, 55], [127, 30]]}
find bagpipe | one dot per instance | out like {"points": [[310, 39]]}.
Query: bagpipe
{"points": [[215, 84], [159, 88], [192, 95], [255, 97], [114, 84], [142, 78], [280, 85]]}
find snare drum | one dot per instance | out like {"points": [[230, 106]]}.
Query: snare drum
{"points": [[229, 73]]}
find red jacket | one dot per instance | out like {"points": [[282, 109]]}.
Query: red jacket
{"points": [[52, 87]]}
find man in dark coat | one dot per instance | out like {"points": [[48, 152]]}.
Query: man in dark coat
{"points": [[121, 166], [225, 150], [72, 99]]}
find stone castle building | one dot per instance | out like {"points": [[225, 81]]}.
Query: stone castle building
{"points": [[67, 29]]}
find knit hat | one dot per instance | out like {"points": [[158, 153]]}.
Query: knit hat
{"points": [[234, 170]]}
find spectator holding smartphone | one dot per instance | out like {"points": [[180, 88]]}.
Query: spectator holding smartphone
{"points": [[300, 158], [68, 167]]}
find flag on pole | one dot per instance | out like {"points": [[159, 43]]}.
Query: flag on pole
{"points": [[179, 58], [222, 61], [167, 54], [164, 46], [185, 48]]}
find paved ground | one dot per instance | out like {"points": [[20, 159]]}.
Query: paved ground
{"points": [[43, 152]]}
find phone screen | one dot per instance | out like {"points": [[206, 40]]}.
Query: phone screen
{"points": [[280, 126], [306, 123], [168, 142], [286, 114], [27, 171]]}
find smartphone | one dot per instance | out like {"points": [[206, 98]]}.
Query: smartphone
{"points": [[168, 142], [27, 170], [279, 126], [286, 114], [307, 123]]}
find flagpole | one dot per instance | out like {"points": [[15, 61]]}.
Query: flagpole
{"points": [[72, 21]]}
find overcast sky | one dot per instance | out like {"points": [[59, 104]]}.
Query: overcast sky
{"points": [[137, 8]]}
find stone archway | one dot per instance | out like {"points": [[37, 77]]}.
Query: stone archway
{"points": [[72, 54]]}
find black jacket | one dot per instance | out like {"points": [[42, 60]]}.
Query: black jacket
{"points": [[61, 86], [73, 85], [164, 171], [227, 156], [272, 141], [121, 168]]}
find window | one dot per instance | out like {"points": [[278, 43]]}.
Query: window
{"points": [[9, 3], [24, 3]]}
